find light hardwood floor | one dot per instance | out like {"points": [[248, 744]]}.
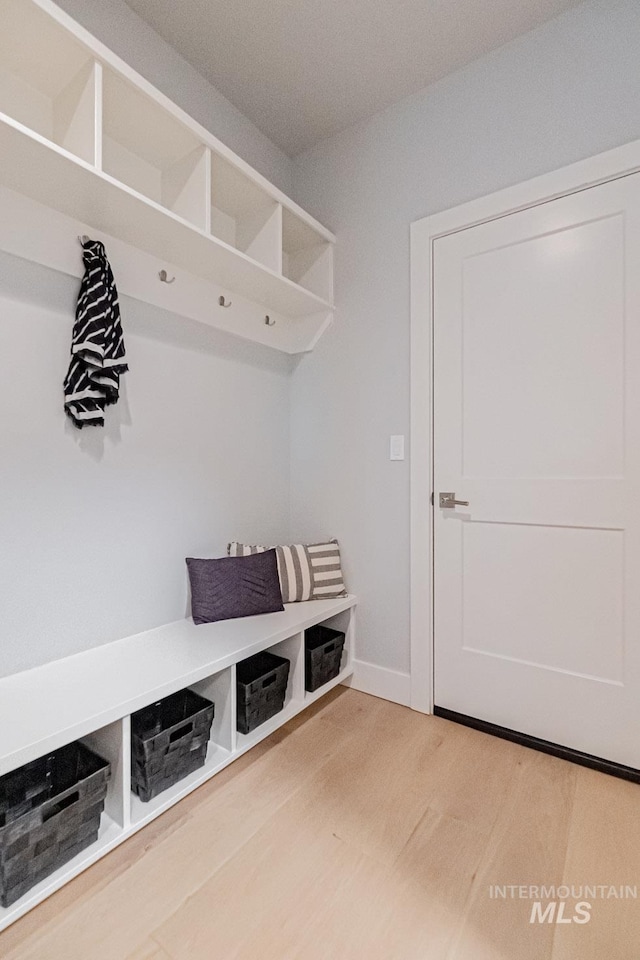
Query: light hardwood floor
{"points": [[360, 831]]}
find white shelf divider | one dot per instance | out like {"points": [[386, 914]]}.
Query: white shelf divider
{"points": [[292, 649], [113, 744], [219, 689], [74, 115]]}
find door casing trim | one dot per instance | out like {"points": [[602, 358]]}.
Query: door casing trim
{"points": [[612, 165]]}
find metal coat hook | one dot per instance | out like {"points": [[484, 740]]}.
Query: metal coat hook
{"points": [[164, 276], [269, 322], [223, 302]]}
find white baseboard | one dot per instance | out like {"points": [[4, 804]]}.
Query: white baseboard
{"points": [[381, 682]]}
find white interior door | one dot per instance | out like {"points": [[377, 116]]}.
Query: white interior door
{"points": [[537, 425]]}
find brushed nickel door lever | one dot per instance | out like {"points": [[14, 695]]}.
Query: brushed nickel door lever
{"points": [[448, 501]]}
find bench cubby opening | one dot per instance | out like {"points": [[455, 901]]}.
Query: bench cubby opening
{"points": [[217, 688], [345, 622], [109, 743], [291, 650]]}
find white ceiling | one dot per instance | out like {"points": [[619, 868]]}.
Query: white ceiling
{"points": [[302, 70]]}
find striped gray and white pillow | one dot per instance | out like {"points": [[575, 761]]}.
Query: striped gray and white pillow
{"points": [[307, 571]]}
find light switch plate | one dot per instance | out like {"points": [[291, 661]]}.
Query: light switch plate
{"points": [[396, 447]]}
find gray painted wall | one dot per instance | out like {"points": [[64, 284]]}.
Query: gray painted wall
{"points": [[95, 524], [565, 91], [124, 32]]}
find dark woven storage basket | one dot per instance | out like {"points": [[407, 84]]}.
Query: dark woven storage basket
{"points": [[323, 648], [50, 810], [169, 741], [261, 683]]}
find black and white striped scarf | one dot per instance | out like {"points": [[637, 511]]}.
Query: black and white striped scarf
{"points": [[97, 347]]}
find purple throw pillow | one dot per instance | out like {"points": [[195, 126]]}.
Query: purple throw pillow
{"points": [[234, 587]]}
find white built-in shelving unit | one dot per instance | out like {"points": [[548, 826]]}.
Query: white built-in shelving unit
{"points": [[84, 135], [87, 145], [91, 696]]}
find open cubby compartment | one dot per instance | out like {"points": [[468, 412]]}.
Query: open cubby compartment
{"points": [[219, 688], [146, 148], [48, 80], [112, 744], [245, 216], [292, 650], [307, 258], [345, 621]]}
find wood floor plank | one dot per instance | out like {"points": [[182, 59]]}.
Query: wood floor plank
{"points": [[338, 920], [376, 789], [251, 897], [604, 849], [431, 883], [476, 785], [347, 711], [527, 846], [150, 950]]}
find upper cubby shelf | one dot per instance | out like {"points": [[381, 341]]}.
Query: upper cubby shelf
{"points": [[244, 216], [46, 79], [307, 257], [150, 151], [82, 133]]}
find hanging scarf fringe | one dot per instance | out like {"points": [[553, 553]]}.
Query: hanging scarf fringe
{"points": [[97, 348]]}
